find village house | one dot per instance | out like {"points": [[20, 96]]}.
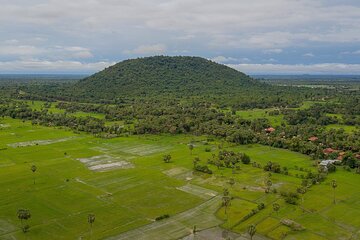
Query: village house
{"points": [[269, 130], [325, 163], [313, 139]]}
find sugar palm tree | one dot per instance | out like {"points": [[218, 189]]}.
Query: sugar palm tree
{"points": [[91, 220], [226, 202], [231, 182], [23, 214], [33, 169], [191, 147], [334, 186], [252, 231], [194, 229], [276, 207], [268, 185], [226, 199]]}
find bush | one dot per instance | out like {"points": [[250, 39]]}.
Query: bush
{"points": [[272, 167], [245, 159], [204, 169], [207, 149], [290, 197], [261, 206], [162, 217]]}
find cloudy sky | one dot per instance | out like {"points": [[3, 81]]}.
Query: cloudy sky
{"points": [[254, 36]]}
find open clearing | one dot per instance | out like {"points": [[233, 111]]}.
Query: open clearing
{"points": [[105, 163], [198, 191], [126, 184], [38, 142]]}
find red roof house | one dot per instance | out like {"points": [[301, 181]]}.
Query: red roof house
{"points": [[328, 150], [269, 130], [313, 139]]}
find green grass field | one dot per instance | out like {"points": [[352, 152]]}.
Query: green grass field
{"points": [[261, 113], [126, 184], [39, 105], [346, 128]]}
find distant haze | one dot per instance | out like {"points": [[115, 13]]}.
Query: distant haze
{"points": [[256, 37]]}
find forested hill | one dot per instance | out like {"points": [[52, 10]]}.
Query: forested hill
{"points": [[175, 76]]}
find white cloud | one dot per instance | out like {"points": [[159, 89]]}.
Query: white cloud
{"points": [[35, 65], [308, 55], [274, 50], [201, 27], [79, 52], [154, 49], [20, 50], [17, 49], [324, 68], [270, 60], [185, 37], [222, 59], [318, 20]]}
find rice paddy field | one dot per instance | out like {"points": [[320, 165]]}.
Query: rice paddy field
{"points": [[126, 184]]}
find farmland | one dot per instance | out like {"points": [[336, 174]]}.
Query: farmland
{"points": [[124, 199]]}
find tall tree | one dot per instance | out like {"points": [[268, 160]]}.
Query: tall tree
{"points": [[191, 148], [302, 191], [231, 182], [226, 199], [334, 186], [196, 161], [91, 220], [33, 169], [276, 207], [268, 184], [226, 202], [252, 231], [194, 230], [24, 214]]}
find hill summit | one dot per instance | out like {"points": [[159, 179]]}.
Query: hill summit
{"points": [[163, 75]]}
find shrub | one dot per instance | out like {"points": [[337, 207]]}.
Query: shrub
{"points": [[261, 206], [162, 217], [204, 169], [245, 159]]}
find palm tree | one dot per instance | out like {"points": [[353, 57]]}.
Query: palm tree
{"points": [[33, 169], [226, 202], [24, 214], [226, 192], [231, 182], [196, 161], [191, 147], [302, 191], [276, 207], [91, 220], [226, 199], [268, 185], [334, 185], [252, 231], [194, 230]]}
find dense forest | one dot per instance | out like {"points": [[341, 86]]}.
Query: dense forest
{"points": [[164, 78]]}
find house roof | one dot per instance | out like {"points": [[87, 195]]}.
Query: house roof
{"points": [[313, 138], [327, 162], [270, 129], [328, 150]]}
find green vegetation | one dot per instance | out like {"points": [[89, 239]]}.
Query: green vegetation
{"points": [[170, 147], [67, 190]]}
